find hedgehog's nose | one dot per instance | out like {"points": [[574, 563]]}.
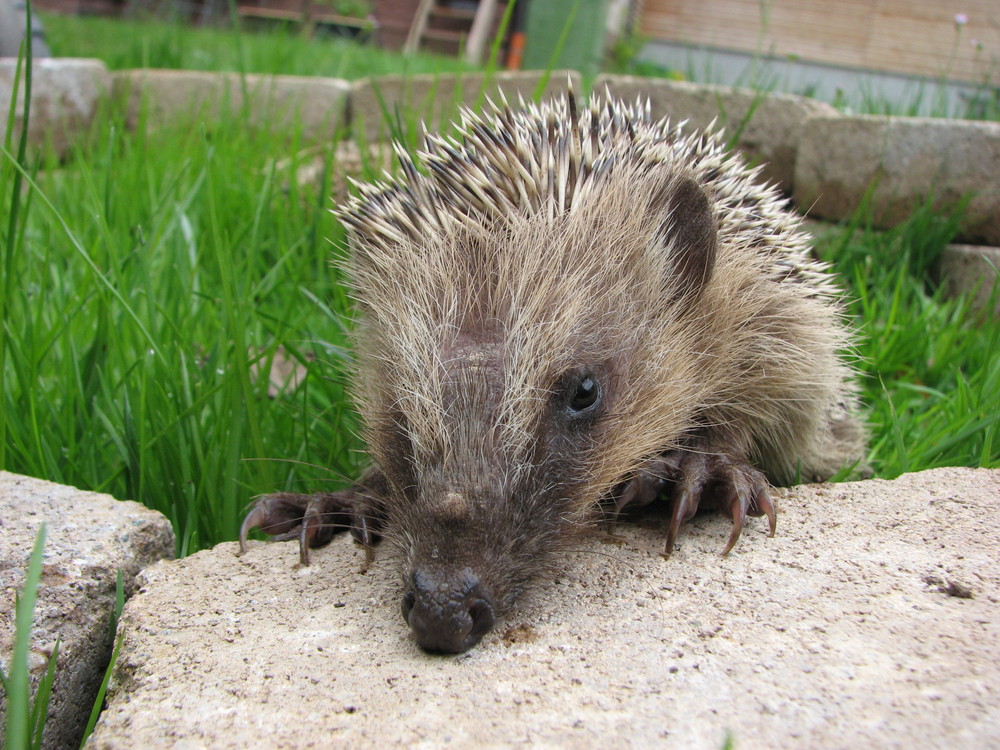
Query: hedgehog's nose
{"points": [[449, 612]]}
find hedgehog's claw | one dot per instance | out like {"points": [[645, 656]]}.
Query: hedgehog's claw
{"points": [[726, 481], [319, 523], [254, 519], [312, 519], [649, 483], [745, 492], [685, 506], [639, 491]]}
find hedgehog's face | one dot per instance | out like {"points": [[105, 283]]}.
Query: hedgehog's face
{"points": [[481, 501], [510, 375]]}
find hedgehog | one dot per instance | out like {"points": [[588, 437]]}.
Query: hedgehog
{"points": [[565, 311]]}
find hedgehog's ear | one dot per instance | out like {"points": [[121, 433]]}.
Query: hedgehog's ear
{"points": [[688, 234]]}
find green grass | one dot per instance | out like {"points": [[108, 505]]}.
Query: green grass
{"points": [[143, 276], [26, 714], [148, 273], [931, 365], [124, 44]]}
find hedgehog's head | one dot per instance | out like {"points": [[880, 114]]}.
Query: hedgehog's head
{"points": [[513, 368]]}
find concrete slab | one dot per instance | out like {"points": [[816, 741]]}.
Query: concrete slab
{"points": [[317, 105], [872, 619], [901, 160], [64, 96], [90, 536], [972, 269]]}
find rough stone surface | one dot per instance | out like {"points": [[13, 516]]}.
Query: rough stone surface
{"points": [[64, 97], [317, 105], [89, 538], [905, 159], [435, 98], [975, 269], [850, 628], [766, 127]]}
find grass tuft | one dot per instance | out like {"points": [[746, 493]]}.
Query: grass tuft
{"points": [[137, 43], [155, 268], [25, 721], [930, 365]]}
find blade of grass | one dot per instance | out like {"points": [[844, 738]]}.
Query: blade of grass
{"points": [[556, 52], [10, 247], [40, 704], [491, 63], [16, 682], [102, 691], [98, 706], [77, 245]]}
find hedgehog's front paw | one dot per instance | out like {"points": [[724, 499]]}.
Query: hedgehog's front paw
{"points": [[649, 483], [314, 519], [728, 482]]}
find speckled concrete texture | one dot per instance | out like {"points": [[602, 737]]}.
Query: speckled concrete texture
{"points": [[872, 619]]}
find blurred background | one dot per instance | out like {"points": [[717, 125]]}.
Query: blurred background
{"points": [[853, 52]]}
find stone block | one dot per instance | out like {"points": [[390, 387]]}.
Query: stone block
{"points": [[89, 538], [317, 105], [901, 161], [384, 106], [975, 269], [873, 613], [64, 96], [766, 127]]}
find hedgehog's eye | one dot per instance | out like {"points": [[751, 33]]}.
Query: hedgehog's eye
{"points": [[586, 394]]}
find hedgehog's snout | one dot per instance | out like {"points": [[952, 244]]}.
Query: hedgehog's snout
{"points": [[448, 611]]}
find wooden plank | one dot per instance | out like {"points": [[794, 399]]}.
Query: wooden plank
{"points": [[923, 38], [446, 11], [475, 48], [417, 28], [906, 36], [271, 14], [444, 35], [787, 28]]}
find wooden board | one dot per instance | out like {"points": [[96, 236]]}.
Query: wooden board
{"points": [[918, 37]]}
